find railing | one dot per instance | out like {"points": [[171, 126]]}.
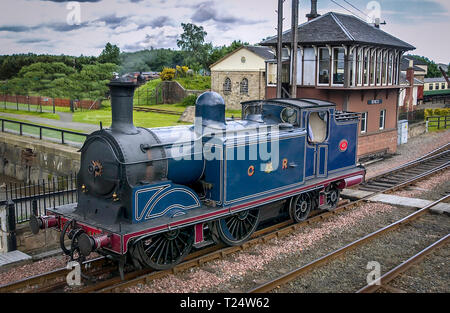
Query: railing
{"points": [[41, 128], [39, 195], [438, 122]]}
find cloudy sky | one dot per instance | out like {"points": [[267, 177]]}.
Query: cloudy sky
{"points": [[85, 26]]}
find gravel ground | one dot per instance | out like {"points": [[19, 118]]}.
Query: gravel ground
{"points": [[243, 271], [413, 149], [32, 269], [432, 188], [429, 275], [349, 273]]}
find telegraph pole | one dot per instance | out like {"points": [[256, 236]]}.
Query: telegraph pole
{"points": [[294, 32], [279, 46]]}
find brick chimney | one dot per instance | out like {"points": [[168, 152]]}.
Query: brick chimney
{"points": [[313, 14], [409, 89]]}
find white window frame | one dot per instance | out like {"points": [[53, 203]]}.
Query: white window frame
{"points": [[382, 118], [354, 56], [364, 116], [373, 60], [332, 67], [366, 66], [318, 67], [267, 75], [360, 65]]}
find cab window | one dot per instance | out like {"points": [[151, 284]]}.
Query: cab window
{"points": [[317, 126]]}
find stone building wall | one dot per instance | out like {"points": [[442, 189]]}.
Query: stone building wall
{"points": [[256, 86]]}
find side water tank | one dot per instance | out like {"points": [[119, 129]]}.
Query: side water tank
{"points": [[402, 134]]}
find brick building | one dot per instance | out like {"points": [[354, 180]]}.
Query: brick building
{"points": [[240, 75], [352, 63]]}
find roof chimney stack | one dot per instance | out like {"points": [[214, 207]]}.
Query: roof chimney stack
{"points": [[377, 22], [313, 13]]}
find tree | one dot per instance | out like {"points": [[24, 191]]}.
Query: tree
{"points": [[111, 54], [192, 42]]}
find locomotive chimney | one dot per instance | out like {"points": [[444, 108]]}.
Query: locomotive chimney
{"points": [[122, 92]]}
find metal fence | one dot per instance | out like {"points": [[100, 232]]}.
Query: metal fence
{"points": [[438, 122], [39, 195], [41, 128]]}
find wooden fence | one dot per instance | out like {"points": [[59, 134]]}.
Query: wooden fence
{"points": [[46, 101]]}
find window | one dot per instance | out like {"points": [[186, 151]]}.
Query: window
{"points": [[366, 68], [271, 74], [338, 65], [227, 86], [430, 86], [378, 77], [352, 61], [363, 122], [443, 86], [382, 118], [384, 69], [372, 68], [359, 66], [324, 66], [390, 67], [244, 86], [317, 127], [437, 86]]}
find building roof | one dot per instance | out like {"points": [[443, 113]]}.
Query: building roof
{"points": [[443, 66], [404, 81], [434, 80], [417, 61], [404, 64], [264, 52], [340, 29]]}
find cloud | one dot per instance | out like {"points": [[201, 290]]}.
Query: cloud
{"points": [[62, 1], [31, 40]]}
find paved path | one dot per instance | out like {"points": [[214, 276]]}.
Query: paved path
{"points": [[63, 123]]}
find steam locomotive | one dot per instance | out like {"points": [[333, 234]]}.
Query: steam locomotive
{"points": [[146, 197]]}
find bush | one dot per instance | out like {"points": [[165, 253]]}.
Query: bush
{"points": [[437, 112], [189, 100], [167, 73]]}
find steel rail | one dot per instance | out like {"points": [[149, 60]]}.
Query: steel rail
{"points": [[289, 228], [330, 256], [205, 255], [41, 278], [395, 272], [413, 162]]}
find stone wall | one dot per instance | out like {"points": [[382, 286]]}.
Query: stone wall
{"points": [[256, 86], [417, 129], [173, 92], [30, 159]]}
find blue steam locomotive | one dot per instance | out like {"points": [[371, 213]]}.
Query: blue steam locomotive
{"points": [[148, 196]]}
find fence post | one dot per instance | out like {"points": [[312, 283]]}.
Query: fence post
{"points": [[3, 231], [8, 240]]}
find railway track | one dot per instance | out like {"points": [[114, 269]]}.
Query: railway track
{"points": [[434, 159], [383, 281], [55, 281], [146, 109], [292, 275]]}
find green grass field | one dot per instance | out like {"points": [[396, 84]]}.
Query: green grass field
{"points": [[34, 131], [31, 113], [433, 123]]}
